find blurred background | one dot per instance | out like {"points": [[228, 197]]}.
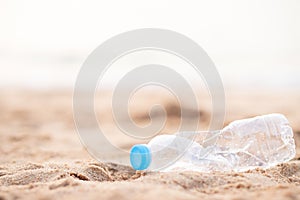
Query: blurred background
{"points": [[254, 44]]}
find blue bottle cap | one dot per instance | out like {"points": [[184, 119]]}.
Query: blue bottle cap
{"points": [[140, 157]]}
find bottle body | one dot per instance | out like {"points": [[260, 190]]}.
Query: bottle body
{"points": [[263, 141]]}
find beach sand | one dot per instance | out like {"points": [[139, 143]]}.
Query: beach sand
{"points": [[42, 157]]}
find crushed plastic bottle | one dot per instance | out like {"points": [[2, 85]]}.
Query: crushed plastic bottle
{"points": [[262, 141]]}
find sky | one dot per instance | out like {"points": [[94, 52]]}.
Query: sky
{"points": [[252, 43]]}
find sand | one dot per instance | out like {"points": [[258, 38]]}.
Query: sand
{"points": [[42, 157]]}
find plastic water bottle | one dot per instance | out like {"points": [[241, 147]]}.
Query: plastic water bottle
{"points": [[262, 141]]}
